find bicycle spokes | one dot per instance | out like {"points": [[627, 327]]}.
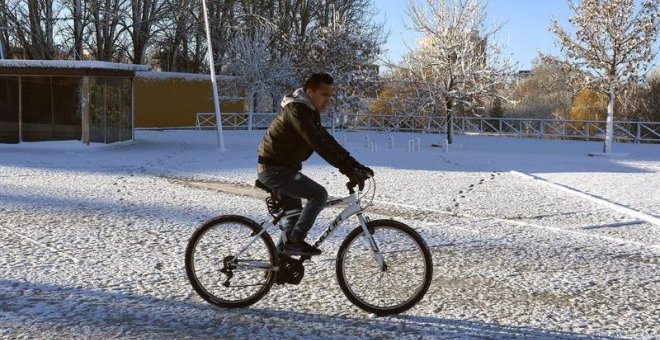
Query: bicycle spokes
{"points": [[397, 278], [229, 262]]}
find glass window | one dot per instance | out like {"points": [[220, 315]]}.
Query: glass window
{"points": [[9, 110], [66, 108], [127, 116], [110, 109], [113, 96], [97, 109], [37, 113]]}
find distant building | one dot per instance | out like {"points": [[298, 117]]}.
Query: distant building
{"points": [[523, 73], [172, 100], [42, 100], [100, 102]]}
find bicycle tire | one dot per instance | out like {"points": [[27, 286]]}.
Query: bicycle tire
{"points": [[202, 289], [377, 225]]}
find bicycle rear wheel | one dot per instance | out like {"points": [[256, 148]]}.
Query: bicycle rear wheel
{"points": [[216, 270], [406, 278]]}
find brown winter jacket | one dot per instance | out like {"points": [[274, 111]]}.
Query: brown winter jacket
{"points": [[296, 132]]}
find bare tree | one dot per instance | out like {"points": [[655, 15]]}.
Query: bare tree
{"points": [[172, 48], [141, 28], [72, 24], [168, 33], [458, 62], [612, 46], [643, 103], [31, 24], [4, 36], [78, 15], [105, 34], [653, 99]]}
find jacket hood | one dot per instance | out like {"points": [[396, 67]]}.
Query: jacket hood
{"points": [[298, 96]]}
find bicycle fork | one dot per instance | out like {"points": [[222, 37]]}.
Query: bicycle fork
{"points": [[372, 243]]}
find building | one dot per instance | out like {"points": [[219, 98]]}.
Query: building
{"points": [[100, 102], [90, 101], [172, 100]]}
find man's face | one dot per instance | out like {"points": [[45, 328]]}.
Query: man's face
{"points": [[320, 96]]}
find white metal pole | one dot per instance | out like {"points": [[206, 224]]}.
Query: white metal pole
{"points": [[218, 119]]}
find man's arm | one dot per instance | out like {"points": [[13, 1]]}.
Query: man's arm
{"points": [[316, 136]]}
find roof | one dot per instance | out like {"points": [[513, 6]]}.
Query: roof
{"points": [[68, 68], [181, 76]]}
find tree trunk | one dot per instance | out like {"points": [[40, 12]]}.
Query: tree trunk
{"points": [[449, 127], [3, 23], [49, 29], [609, 134], [250, 100], [77, 30]]}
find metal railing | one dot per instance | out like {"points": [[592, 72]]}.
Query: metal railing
{"points": [[632, 132]]}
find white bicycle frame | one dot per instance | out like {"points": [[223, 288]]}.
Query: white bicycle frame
{"points": [[353, 208]]}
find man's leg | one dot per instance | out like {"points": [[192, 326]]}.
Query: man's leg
{"points": [[289, 203], [287, 181]]}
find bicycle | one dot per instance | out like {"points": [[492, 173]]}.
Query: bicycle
{"points": [[233, 255]]}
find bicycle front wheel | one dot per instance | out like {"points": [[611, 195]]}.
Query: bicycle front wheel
{"points": [[397, 286], [227, 264]]}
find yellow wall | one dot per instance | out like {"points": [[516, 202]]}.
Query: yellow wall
{"points": [[174, 102]]}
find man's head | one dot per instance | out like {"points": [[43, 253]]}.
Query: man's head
{"points": [[318, 88]]}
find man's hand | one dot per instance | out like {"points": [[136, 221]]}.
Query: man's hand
{"points": [[357, 174], [366, 170]]}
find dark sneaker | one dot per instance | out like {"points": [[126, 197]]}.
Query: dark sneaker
{"points": [[300, 248]]}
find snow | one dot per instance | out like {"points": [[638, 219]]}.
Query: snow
{"points": [[71, 64], [181, 76], [93, 238]]}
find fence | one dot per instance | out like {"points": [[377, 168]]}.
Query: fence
{"points": [[633, 132]]}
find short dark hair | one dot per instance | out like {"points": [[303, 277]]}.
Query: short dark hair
{"points": [[314, 81]]}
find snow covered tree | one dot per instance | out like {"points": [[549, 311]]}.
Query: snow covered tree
{"points": [[541, 93], [260, 69], [348, 53], [458, 63], [612, 46]]}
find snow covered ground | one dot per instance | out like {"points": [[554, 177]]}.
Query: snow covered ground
{"points": [[93, 238]]}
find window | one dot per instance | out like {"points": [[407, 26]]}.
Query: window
{"points": [[110, 109], [9, 110]]}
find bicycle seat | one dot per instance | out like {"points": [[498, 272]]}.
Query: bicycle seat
{"points": [[262, 186]]}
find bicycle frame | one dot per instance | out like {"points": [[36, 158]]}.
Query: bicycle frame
{"points": [[353, 208]]}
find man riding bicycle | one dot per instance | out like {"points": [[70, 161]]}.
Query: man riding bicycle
{"points": [[291, 138]]}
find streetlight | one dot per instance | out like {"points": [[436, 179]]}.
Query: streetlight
{"points": [[218, 119]]}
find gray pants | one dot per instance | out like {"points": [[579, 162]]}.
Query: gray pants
{"points": [[291, 186]]}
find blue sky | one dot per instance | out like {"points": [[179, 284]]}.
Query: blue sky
{"points": [[526, 24]]}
